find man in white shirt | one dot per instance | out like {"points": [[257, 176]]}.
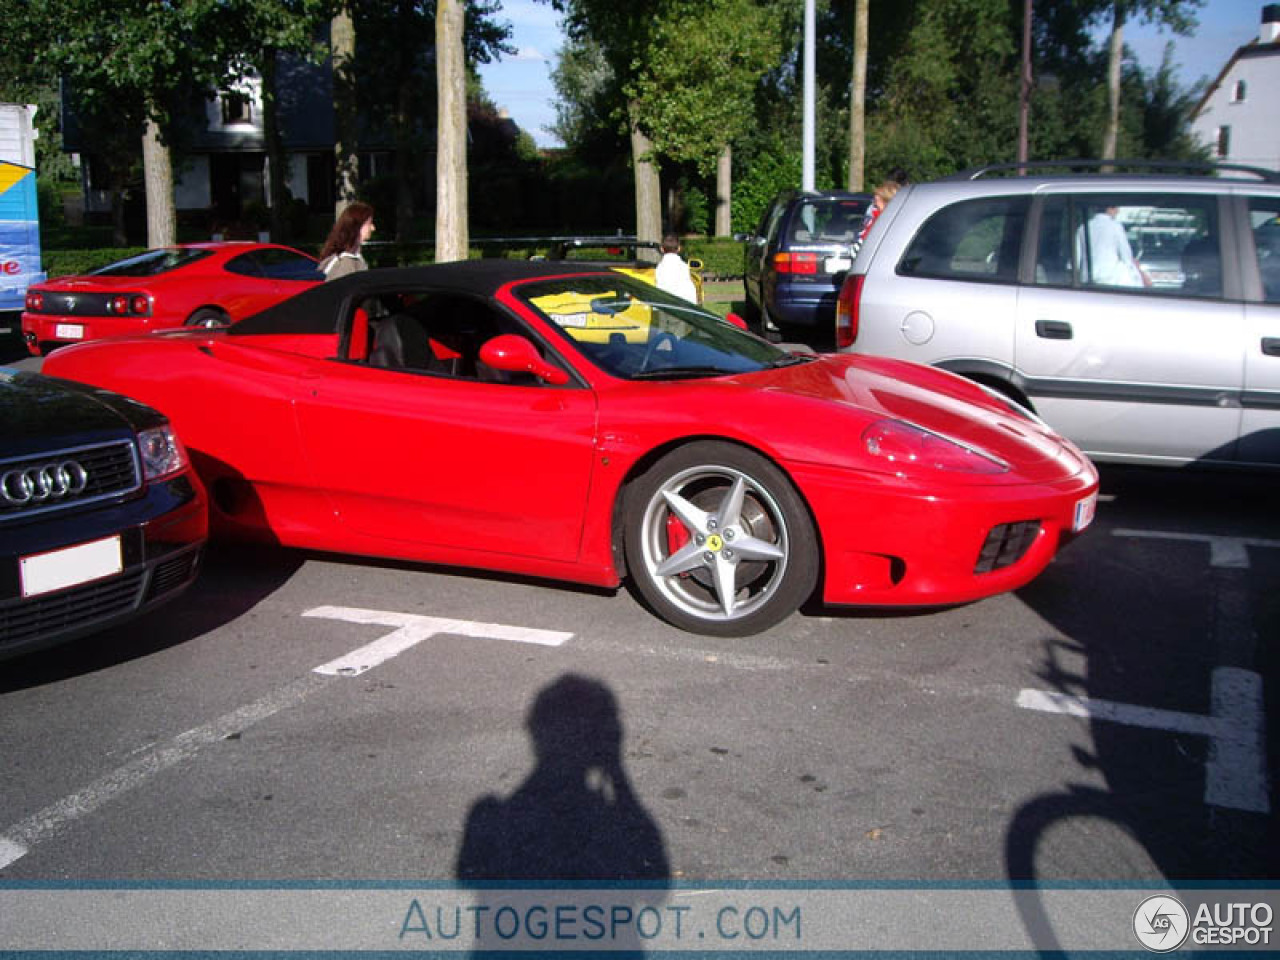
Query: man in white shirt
{"points": [[1109, 257], [672, 274]]}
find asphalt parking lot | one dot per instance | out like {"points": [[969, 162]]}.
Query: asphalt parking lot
{"points": [[299, 716]]}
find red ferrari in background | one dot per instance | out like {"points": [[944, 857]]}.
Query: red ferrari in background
{"points": [[195, 284], [582, 425]]}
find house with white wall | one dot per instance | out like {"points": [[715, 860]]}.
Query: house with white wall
{"points": [[1238, 117]]}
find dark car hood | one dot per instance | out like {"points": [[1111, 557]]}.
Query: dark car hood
{"points": [[44, 413]]}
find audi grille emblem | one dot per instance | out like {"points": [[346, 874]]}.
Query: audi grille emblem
{"points": [[49, 481]]}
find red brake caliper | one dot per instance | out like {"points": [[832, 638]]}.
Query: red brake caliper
{"points": [[677, 535]]}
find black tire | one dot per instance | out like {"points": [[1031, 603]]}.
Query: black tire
{"points": [[210, 317], [747, 533]]}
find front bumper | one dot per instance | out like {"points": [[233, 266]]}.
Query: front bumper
{"points": [[162, 534], [892, 542]]}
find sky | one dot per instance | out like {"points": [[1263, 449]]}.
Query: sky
{"points": [[522, 83]]}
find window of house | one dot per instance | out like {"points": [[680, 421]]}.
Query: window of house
{"points": [[970, 240], [1238, 92], [236, 108], [1223, 147]]}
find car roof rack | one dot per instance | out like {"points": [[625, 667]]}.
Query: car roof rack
{"points": [[1120, 166]]}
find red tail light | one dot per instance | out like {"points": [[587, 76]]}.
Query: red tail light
{"points": [[124, 304], [35, 302], [847, 310], [795, 262]]}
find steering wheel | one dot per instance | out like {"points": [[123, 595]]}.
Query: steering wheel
{"points": [[654, 346]]}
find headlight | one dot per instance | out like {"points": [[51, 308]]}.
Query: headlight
{"points": [[162, 452], [911, 446]]}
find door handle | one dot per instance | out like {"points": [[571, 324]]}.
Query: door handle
{"points": [[1271, 346], [1053, 329]]}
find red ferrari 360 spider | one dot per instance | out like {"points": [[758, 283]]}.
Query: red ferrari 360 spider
{"points": [[195, 284], [582, 425]]}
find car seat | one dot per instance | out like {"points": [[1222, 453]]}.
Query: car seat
{"points": [[400, 343], [1202, 268]]}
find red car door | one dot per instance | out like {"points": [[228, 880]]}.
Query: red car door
{"points": [[452, 462]]}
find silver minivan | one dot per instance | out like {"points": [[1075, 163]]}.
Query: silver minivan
{"points": [[1138, 315]]}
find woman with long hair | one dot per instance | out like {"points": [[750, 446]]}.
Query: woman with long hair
{"points": [[341, 253]]}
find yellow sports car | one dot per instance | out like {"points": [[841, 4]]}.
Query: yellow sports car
{"points": [[618, 253]]}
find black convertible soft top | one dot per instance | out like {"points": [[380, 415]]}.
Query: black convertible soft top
{"points": [[318, 309]]}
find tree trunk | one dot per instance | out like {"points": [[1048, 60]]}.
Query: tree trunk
{"points": [[858, 99], [342, 49], [724, 192], [648, 188], [157, 173], [1116, 53], [451, 133], [277, 161]]}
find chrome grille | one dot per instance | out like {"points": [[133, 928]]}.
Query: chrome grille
{"points": [[111, 470]]}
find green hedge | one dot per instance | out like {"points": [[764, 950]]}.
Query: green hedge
{"points": [[720, 257], [60, 263]]}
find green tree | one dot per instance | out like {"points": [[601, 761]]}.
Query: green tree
{"points": [[694, 91], [1177, 15]]}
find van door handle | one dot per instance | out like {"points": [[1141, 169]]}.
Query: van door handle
{"points": [[1271, 346], [1053, 329]]}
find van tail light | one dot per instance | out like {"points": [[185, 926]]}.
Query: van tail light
{"points": [[795, 263], [847, 310]]}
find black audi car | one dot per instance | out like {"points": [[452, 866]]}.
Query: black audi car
{"points": [[101, 515]]}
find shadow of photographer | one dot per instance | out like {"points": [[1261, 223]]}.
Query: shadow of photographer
{"points": [[575, 820]]}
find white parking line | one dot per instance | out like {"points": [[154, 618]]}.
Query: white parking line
{"points": [[1236, 774], [55, 817], [412, 630], [1225, 552]]}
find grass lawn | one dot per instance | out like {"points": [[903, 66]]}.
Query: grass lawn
{"points": [[723, 296]]}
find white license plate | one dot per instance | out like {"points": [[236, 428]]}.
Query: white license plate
{"points": [[837, 264], [46, 572], [68, 331], [1085, 509]]}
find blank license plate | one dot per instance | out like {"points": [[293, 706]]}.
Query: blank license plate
{"points": [[1085, 509], [46, 572], [68, 331]]}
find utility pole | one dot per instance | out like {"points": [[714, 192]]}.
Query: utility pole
{"points": [[810, 30]]}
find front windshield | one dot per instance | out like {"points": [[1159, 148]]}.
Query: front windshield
{"points": [[635, 331], [151, 263]]}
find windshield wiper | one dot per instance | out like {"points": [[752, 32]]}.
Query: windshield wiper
{"points": [[660, 373], [791, 359]]}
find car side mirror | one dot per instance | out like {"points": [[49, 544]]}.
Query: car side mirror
{"points": [[514, 354], [736, 320], [695, 263]]}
